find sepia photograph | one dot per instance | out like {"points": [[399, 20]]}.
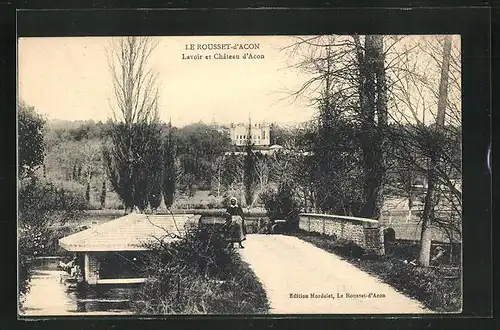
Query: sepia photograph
{"points": [[239, 175]]}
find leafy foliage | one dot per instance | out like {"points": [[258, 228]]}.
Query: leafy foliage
{"points": [[41, 205], [58, 131], [199, 275], [199, 145], [134, 163], [281, 135], [338, 175], [281, 204], [233, 170], [30, 139]]}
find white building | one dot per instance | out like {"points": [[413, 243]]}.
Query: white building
{"points": [[259, 134]]}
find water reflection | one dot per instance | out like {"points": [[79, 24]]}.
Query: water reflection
{"points": [[50, 295]]}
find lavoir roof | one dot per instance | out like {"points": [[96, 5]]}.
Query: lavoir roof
{"points": [[129, 233]]}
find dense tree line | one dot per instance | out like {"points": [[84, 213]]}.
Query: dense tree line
{"points": [[187, 155], [388, 121]]}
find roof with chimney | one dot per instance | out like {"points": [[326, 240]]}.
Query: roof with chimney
{"points": [[130, 232]]}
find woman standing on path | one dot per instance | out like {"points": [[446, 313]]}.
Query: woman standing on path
{"points": [[237, 226]]}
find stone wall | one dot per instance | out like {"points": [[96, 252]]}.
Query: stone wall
{"points": [[364, 232], [408, 227]]}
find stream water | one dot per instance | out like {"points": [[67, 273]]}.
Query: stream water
{"points": [[50, 295]]}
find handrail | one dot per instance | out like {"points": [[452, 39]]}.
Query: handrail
{"points": [[332, 216]]}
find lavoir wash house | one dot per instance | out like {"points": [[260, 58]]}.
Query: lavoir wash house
{"points": [[113, 252]]}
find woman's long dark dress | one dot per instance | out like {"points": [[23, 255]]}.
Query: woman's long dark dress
{"points": [[237, 227]]}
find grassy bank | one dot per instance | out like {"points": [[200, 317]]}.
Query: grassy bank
{"points": [[199, 274], [240, 293], [437, 287]]}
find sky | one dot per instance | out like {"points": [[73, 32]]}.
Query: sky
{"points": [[69, 79]]}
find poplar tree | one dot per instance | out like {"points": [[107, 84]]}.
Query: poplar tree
{"points": [[133, 158], [249, 167]]}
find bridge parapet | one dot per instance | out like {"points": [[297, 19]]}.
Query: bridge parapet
{"points": [[363, 231]]}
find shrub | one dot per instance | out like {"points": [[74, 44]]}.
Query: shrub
{"points": [[41, 204], [343, 247], [281, 204], [350, 249], [427, 285], [215, 202], [102, 196], [198, 274]]}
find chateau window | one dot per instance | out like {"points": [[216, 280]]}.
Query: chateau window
{"points": [[263, 134]]}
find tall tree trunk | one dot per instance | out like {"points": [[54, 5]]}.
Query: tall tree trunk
{"points": [[249, 168], [87, 192], [103, 194], [219, 179], [373, 102], [170, 173], [428, 214], [381, 108]]}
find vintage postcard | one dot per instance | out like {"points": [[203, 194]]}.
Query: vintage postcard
{"points": [[293, 174]]}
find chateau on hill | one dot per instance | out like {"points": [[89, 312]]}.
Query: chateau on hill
{"points": [[259, 133]]}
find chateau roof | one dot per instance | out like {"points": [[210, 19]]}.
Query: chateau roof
{"points": [[129, 232]]}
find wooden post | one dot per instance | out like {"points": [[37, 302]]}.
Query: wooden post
{"points": [[91, 269], [87, 267]]}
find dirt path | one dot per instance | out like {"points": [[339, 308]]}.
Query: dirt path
{"points": [[300, 278]]}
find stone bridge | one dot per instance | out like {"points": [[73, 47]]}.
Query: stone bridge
{"points": [[364, 232]]}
